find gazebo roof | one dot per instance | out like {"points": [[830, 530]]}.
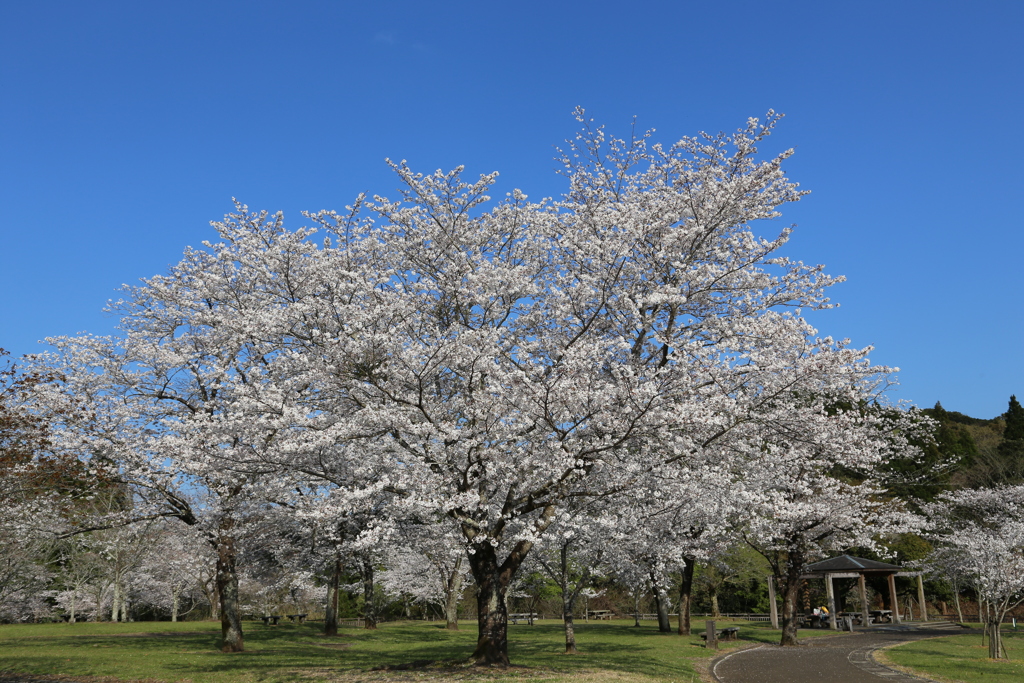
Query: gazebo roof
{"points": [[849, 563]]}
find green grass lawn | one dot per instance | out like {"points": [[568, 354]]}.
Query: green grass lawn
{"points": [[962, 658], [187, 651]]}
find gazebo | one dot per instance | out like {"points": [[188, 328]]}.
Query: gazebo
{"points": [[850, 567]]}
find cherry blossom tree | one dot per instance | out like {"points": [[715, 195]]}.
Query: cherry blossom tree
{"points": [[493, 362], [427, 562], [980, 538], [572, 555], [187, 398], [498, 360], [807, 472]]}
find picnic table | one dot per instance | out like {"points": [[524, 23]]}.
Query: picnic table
{"points": [[858, 618], [528, 617], [271, 620], [882, 616], [600, 614], [292, 617]]}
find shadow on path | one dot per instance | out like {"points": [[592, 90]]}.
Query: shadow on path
{"points": [[843, 659]]}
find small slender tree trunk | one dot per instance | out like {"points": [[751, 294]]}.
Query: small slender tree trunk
{"points": [[661, 601], [713, 595], [98, 614], [685, 596], [369, 607], [569, 599], [215, 600], [174, 602], [570, 627], [74, 594], [636, 607], [451, 597], [227, 588], [115, 602], [956, 601], [995, 636], [331, 612]]}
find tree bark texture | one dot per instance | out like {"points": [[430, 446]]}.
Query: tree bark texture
{"points": [[492, 614], [331, 612], [570, 627], [661, 602], [995, 637], [685, 596], [568, 600], [492, 581], [115, 602], [790, 593], [369, 605], [451, 598], [227, 587]]}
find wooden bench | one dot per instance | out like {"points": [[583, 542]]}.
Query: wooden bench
{"points": [[271, 620], [730, 633], [600, 614], [300, 617]]}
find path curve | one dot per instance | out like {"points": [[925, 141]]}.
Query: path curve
{"points": [[843, 659]]}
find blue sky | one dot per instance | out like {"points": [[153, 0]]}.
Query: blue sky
{"points": [[125, 127]]}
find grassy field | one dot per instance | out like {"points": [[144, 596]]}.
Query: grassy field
{"points": [[187, 651], [960, 658]]}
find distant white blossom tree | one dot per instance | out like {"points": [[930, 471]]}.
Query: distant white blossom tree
{"points": [[980, 538]]}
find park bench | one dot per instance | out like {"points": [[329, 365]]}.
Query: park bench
{"points": [[600, 614], [528, 617], [300, 617], [271, 620], [730, 633]]}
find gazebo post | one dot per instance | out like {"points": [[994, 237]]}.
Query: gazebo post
{"points": [[831, 600], [920, 598], [865, 612], [771, 602], [892, 599]]}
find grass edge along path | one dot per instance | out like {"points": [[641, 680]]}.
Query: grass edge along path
{"points": [[959, 658], [186, 651]]}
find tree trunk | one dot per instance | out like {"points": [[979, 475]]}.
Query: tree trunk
{"points": [[451, 597], [115, 602], [569, 595], [995, 637], [74, 594], [570, 628], [492, 614], [214, 597], [713, 595], [227, 587], [636, 606], [492, 581], [790, 593], [331, 612], [174, 602], [685, 596], [369, 608], [661, 601]]}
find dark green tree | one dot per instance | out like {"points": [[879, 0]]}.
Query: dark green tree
{"points": [[921, 478], [1011, 448]]}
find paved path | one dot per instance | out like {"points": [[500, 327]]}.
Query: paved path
{"points": [[843, 659]]}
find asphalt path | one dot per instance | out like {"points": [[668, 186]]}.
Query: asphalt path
{"points": [[843, 659]]}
